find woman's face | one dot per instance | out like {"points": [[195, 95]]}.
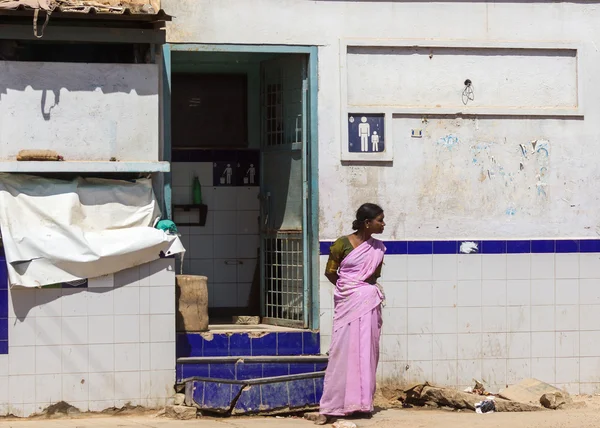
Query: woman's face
{"points": [[377, 225]]}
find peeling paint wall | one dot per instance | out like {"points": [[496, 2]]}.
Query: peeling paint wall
{"points": [[476, 177]]}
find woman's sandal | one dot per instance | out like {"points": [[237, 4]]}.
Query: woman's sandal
{"points": [[321, 420]]}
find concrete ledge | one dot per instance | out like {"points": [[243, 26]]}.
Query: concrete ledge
{"points": [[83, 166]]}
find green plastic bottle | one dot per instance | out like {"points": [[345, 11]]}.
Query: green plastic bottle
{"points": [[196, 192]]}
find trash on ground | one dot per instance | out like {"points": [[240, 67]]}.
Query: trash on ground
{"points": [[486, 406], [344, 424]]}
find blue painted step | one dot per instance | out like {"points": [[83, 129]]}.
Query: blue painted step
{"points": [[262, 343]]}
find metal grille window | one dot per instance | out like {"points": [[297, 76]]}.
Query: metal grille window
{"points": [[274, 119], [283, 274]]}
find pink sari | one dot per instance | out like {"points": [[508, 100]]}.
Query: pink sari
{"points": [[354, 352]]}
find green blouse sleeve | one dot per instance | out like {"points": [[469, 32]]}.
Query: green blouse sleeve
{"points": [[336, 255]]}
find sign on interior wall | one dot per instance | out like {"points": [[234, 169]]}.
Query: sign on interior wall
{"points": [[236, 168], [366, 133]]}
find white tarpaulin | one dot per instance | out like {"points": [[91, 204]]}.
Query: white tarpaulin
{"points": [[58, 231]]}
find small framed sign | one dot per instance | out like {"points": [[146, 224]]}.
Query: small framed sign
{"points": [[366, 137]]}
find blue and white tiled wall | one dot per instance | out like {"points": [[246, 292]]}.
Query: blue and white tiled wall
{"points": [[504, 311], [225, 249], [103, 344]]}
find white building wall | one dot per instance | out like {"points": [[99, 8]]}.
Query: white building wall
{"points": [[450, 318], [107, 345]]}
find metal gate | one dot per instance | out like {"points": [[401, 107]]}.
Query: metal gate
{"points": [[284, 96]]}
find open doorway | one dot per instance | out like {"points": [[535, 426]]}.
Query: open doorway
{"points": [[240, 127]]}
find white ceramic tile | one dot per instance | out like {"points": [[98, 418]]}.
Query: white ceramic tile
{"points": [[567, 370], [101, 329], [395, 320], [125, 278], [542, 344], [248, 222], [493, 266], [180, 174], [145, 300], [74, 302], [22, 303], [102, 386], [469, 293], [48, 331], [567, 265], [592, 388], [180, 195], [589, 291], [588, 317], [493, 292], [75, 358], [542, 291], [419, 294], [445, 320], [544, 368], [247, 246], [394, 371], [225, 198], [419, 320], [162, 357], [162, 300], [543, 318], [445, 267], [226, 223], [48, 388], [127, 385], [567, 345], [519, 318], [145, 327], [589, 368], [3, 367], [21, 389], [161, 273], [21, 360], [127, 357], [145, 358], [100, 301], [468, 369], [225, 246], [518, 292], [225, 295], [203, 268], [444, 372], [567, 317], [418, 370], [48, 360], [542, 266], [74, 330], [47, 300], [208, 198], [518, 266], [75, 387], [445, 293], [469, 319], [445, 346], [567, 291], [22, 332], [101, 358], [326, 295], [395, 268], [589, 265], [517, 369], [243, 298], [326, 321], [469, 346], [162, 328], [204, 172], [247, 198], [420, 267], [493, 372], [127, 301], [469, 266], [589, 343], [208, 228], [161, 385], [245, 270], [419, 347], [325, 342], [494, 319], [493, 345], [127, 328]]}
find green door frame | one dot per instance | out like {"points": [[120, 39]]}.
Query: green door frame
{"points": [[311, 285]]}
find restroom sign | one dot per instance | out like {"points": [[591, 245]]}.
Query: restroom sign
{"points": [[366, 133]]}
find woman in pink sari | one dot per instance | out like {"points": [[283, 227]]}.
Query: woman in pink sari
{"points": [[354, 266]]}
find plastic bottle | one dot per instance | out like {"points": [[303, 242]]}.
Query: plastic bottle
{"points": [[196, 192]]}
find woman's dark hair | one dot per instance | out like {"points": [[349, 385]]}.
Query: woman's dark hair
{"points": [[364, 213]]}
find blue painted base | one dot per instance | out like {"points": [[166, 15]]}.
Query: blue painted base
{"points": [[242, 344]]}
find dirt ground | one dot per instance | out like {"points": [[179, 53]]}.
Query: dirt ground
{"points": [[390, 417]]}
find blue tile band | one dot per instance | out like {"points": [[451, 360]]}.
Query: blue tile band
{"points": [[535, 246], [3, 305]]}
